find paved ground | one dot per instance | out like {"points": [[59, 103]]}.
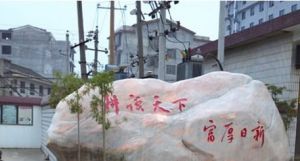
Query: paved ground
{"points": [[22, 155]]}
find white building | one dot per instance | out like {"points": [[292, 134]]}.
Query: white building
{"points": [[126, 47], [269, 52], [241, 15], [20, 122]]}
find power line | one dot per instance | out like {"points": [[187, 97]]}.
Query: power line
{"points": [[40, 78], [156, 10]]}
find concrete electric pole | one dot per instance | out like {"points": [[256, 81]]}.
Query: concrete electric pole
{"points": [[82, 61], [162, 44], [68, 52], [112, 30], [112, 33], [221, 40], [96, 50], [139, 27]]}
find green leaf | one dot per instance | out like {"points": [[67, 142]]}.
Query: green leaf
{"points": [[287, 108]]}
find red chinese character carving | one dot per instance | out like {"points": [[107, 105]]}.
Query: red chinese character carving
{"points": [[210, 136], [259, 133], [156, 106], [244, 132], [229, 131], [113, 102], [137, 102], [180, 104]]}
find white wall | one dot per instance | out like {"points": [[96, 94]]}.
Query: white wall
{"points": [[47, 114], [20, 136]]}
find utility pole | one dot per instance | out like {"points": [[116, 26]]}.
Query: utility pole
{"points": [[112, 33], [68, 52], [221, 33], [112, 30], [82, 61], [96, 50], [162, 44], [139, 27]]}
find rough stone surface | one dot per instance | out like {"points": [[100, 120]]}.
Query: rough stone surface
{"points": [[217, 98]]}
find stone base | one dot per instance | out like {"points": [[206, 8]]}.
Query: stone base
{"points": [[70, 154]]}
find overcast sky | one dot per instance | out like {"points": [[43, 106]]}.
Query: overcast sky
{"points": [[58, 16]]}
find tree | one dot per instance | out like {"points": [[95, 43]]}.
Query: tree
{"points": [[64, 86], [286, 108], [102, 83]]}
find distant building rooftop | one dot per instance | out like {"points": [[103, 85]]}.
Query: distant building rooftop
{"points": [[11, 68], [278, 25]]}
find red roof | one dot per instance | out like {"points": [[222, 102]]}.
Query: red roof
{"points": [[252, 34], [23, 101]]}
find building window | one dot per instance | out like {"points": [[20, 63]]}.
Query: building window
{"points": [[6, 49], [24, 115], [153, 42], [49, 91], [118, 40], [244, 2], [271, 17], [252, 11], [294, 7], [22, 89], [243, 15], [16, 115], [171, 54], [242, 28], [261, 6], [6, 35], [271, 3], [281, 12], [228, 27], [32, 89], [171, 69], [251, 24], [41, 90], [9, 114], [260, 21], [14, 84]]}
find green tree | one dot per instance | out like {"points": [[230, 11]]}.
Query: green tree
{"points": [[286, 108], [102, 83], [62, 87]]}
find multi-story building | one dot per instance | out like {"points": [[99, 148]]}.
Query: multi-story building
{"points": [[241, 15], [36, 49], [126, 47]]}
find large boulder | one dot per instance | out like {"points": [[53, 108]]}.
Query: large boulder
{"points": [[219, 116]]}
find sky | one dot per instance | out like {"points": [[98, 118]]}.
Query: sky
{"points": [[57, 17]]}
